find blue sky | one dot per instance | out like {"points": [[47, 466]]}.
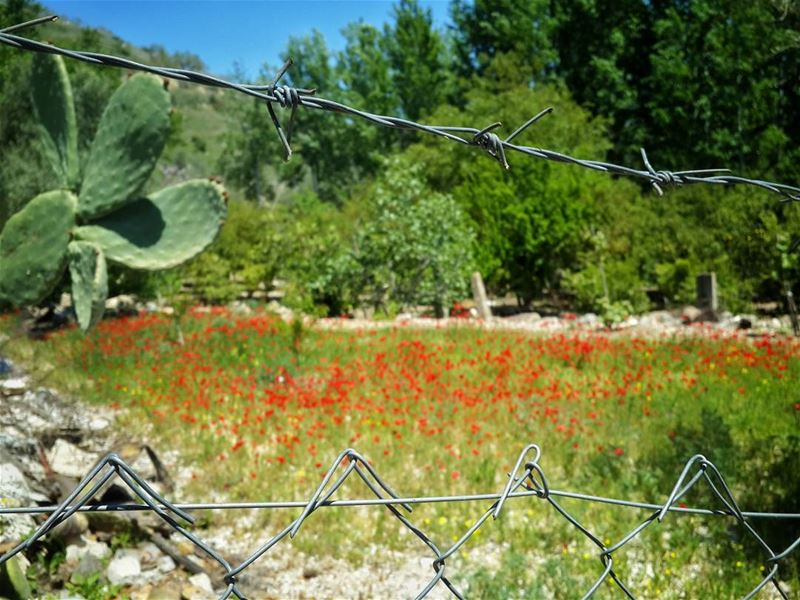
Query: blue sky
{"points": [[249, 33]]}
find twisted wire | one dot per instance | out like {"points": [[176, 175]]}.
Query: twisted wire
{"points": [[527, 480], [485, 138]]}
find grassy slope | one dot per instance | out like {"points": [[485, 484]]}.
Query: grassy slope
{"points": [[201, 119]]}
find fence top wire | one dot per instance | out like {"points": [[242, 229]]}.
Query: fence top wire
{"points": [[527, 480], [484, 138]]}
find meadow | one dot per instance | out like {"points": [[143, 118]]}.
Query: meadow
{"points": [[259, 408]]}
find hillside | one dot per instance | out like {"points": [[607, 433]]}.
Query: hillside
{"points": [[200, 118]]}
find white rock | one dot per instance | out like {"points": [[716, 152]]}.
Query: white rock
{"points": [[123, 569], [69, 460], [91, 547], [165, 564], [13, 483], [99, 424], [240, 308], [121, 303], [202, 582], [14, 386], [691, 314], [143, 466]]}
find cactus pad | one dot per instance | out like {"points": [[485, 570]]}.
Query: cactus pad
{"points": [[129, 140], [13, 581], [87, 268], [33, 247], [55, 110], [163, 230]]}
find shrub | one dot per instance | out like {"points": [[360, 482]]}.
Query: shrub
{"points": [[415, 245]]}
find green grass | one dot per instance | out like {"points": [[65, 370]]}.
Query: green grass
{"points": [[259, 410]]}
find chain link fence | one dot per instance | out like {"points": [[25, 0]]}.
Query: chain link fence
{"points": [[527, 481]]}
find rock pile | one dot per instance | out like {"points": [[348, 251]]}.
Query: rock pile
{"points": [[47, 444]]}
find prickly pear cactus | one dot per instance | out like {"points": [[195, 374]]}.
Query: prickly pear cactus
{"points": [[55, 110], [163, 230], [105, 216], [87, 269], [129, 140], [33, 247]]}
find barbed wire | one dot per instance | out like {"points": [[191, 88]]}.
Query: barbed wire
{"points": [[484, 138], [527, 479]]}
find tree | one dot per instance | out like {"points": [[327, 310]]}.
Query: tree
{"points": [[529, 220], [324, 141], [509, 37], [415, 245], [722, 90], [417, 54], [605, 66]]}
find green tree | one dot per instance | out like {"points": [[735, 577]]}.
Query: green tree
{"points": [[417, 54], [508, 40], [326, 143], [415, 245], [529, 220], [605, 66], [251, 145], [364, 72], [720, 92]]}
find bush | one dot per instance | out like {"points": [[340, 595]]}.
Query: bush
{"points": [[246, 254], [415, 246]]}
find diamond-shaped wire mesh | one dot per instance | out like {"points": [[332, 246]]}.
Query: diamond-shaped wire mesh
{"points": [[526, 480]]}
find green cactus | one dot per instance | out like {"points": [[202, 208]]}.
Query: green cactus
{"points": [[162, 230], [13, 583], [87, 268], [129, 140], [109, 218], [33, 247], [53, 104]]}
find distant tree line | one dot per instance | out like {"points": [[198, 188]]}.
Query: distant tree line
{"points": [[701, 84]]}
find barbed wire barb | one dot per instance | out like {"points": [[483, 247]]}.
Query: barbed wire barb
{"points": [[483, 138]]}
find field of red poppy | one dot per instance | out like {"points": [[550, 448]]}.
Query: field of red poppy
{"points": [[259, 409]]}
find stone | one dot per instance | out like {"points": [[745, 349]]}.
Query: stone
{"points": [[165, 591], [89, 565], [279, 309], [691, 314], [67, 459], [98, 424], [73, 528], [707, 298], [6, 367], [144, 466], [241, 309], [525, 317], [165, 564], [13, 483], [99, 550], [198, 588], [479, 295], [123, 569], [15, 386], [202, 582], [589, 320], [123, 304]]}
